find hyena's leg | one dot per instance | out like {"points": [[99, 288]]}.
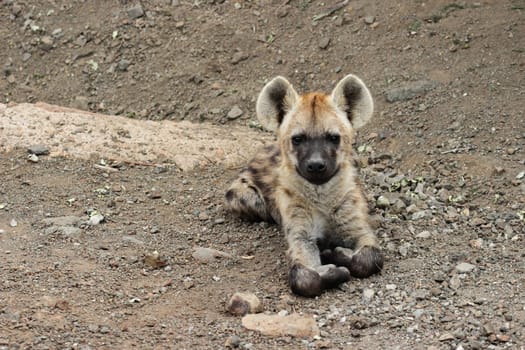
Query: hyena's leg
{"points": [[359, 249], [245, 199], [308, 277]]}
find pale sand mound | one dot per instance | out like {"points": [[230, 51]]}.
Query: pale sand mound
{"points": [[79, 134]]}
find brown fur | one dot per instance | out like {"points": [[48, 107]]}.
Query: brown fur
{"points": [[307, 183]]}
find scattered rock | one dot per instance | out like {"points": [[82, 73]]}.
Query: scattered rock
{"points": [[382, 202], [464, 267], [63, 221], [369, 19], [33, 158], [206, 255], [368, 294], [324, 42], [46, 43], [241, 304], [233, 342], [123, 65], [234, 113], [135, 11], [293, 325], [38, 150], [155, 260], [446, 337], [13, 223], [454, 282], [421, 215], [132, 239], [424, 234], [239, 56], [409, 91], [96, 219]]}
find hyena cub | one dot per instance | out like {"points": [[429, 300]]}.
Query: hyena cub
{"points": [[307, 183]]}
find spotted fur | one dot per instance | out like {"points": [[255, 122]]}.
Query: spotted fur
{"points": [[307, 183]]}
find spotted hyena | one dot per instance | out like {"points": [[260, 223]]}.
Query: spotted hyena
{"points": [[307, 183]]}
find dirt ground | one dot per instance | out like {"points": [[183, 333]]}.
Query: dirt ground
{"points": [[445, 148]]}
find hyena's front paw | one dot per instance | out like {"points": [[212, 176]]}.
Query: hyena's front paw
{"points": [[362, 263], [311, 283]]}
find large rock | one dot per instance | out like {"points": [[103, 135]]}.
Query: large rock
{"points": [[82, 134], [293, 325], [241, 304]]}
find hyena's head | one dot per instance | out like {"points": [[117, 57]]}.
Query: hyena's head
{"points": [[315, 130]]}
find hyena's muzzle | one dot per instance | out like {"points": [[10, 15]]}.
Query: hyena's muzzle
{"points": [[316, 157]]}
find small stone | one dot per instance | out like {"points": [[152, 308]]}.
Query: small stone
{"points": [[234, 113], [135, 12], [409, 91], [95, 219], [498, 170], [420, 215], [233, 342], [454, 282], [293, 325], [155, 194], [446, 337], [369, 19], [203, 216], [57, 33], [239, 57], [282, 11], [476, 243], [503, 337], [132, 239], [391, 287], [324, 42], [382, 202], [368, 294], [403, 249], [38, 150], [521, 175], [464, 267], [155, 260], [424, 234], [33, 158], [26, 56], [511, 151], [488, 329], [46, 43], [206, 255], [13, 223], [123, 65], [241, 304]]}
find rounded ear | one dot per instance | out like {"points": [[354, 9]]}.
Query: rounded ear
{"points": [[275, 100], [352, 97]]}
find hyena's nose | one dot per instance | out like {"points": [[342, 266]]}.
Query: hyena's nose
{"points": [[316, 166]]}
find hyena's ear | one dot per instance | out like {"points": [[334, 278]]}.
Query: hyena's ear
{"points": [[352, 97], [275, 100]]}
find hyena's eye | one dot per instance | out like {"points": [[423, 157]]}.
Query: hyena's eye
{"points": [[333, 138], [298, 139]]}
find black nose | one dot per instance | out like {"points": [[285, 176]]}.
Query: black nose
{"points": [[316, 166]]}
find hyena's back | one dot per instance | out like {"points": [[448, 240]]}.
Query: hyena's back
{"points": [[252, 195]]}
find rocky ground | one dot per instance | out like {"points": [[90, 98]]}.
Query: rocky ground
{"points": [[106, 254]]}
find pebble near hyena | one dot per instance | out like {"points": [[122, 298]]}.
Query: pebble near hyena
{"points": [[307, 183]]}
